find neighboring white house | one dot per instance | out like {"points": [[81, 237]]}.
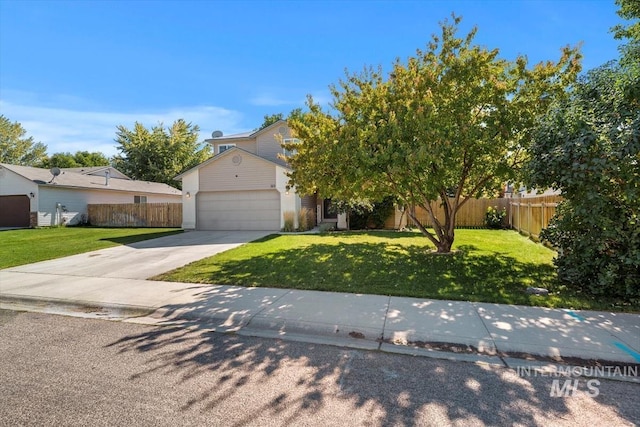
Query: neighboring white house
{"points": [[535, 192], [35, 197], [244, 186]]}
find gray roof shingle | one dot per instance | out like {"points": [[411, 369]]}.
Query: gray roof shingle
{"points": [[72, 179]]}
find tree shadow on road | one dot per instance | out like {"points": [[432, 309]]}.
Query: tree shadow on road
{"points": [[262, 381]]}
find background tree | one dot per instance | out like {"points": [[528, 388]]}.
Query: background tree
{"points": [[95, 158], [159, 154], [269, 119], [588, 146], [452, 123], [79, 159], [629, 10], [15, 149]]}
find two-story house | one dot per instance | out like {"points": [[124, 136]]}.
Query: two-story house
{"points": [[244, 186]]}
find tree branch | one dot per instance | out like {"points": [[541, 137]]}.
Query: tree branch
{"points": [[422, 229]]}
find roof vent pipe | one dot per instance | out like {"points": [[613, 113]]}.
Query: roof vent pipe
{"points": [[106, 176]]}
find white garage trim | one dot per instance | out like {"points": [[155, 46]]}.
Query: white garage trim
{"points": [[238, 210]]}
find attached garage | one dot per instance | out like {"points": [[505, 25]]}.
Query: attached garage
{"points": [[246, 185], [238, 210], [237, 190], [14, 211]]}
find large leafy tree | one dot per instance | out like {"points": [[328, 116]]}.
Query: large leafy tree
{"points": [[588, 145], [159, 154], [79, 159], [447, 125], [15, 148]]}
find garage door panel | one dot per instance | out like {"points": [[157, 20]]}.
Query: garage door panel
{"points": [[239, 206], [244, 216], [238, 210], [242, 195], [236, 225]]}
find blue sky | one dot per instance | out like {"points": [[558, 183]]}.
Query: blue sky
{"points": [[72, 71]]}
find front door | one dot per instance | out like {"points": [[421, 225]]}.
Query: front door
{"points": [[327, 212]]}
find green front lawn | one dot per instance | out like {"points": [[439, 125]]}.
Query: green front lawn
{"points": [[490, 266], [18, 247]]}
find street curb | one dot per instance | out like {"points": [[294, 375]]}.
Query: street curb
{"points": [[163, 316], [300, 331], [441, 354], [336, 341], [324, 329], [63, 306]]}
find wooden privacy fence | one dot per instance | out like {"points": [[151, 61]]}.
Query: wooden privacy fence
{"points": [[136, 215], [471, 214], [529, 215]]}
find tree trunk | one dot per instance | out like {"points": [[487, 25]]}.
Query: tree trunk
{"points": [[445, 233], [445, 243], [447, 230]]}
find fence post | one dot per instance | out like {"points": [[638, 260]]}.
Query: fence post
{"points": [[529, 218], [544, 223], [519, 215], [511, 213]]}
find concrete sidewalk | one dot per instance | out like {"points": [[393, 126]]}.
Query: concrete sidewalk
{"points": [[495, 333]]}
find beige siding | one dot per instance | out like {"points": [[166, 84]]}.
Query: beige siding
{"points": [[249, 173], [190, 184], [249, 146], [268, 144]]}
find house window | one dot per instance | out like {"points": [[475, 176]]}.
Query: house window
{"points": [[289, 153], [224, 147], [328, 212], [139, 199]]}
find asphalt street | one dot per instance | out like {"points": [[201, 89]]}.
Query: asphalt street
{"points": [[59, 370], [110, 283]]}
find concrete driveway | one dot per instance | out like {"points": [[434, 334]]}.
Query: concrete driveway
{"points": [[144, 259]]}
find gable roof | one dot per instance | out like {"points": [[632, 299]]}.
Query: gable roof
{"points": [[246, 135], [226, 153], [72, 179]]}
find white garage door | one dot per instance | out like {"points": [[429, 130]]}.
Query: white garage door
{"points": [[238, 210]]}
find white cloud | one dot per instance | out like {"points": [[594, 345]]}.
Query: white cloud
{"points": [[75, 129]]}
